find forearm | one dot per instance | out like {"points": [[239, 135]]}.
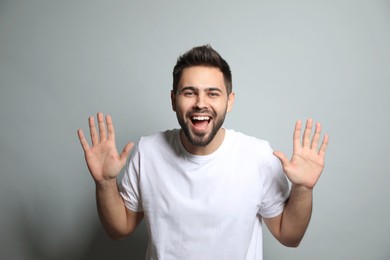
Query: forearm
{"points": [[111, 209], [296, 215]]}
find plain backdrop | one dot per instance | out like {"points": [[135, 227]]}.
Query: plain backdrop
{"points": [[62, 61]]}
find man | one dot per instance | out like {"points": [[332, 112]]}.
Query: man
{"points": [[204, 190]]}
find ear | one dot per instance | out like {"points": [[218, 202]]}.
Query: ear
{"points": [[173, 100], [231, 98]]}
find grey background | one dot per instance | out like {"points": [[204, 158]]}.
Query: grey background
{"points": [[61, 61]]}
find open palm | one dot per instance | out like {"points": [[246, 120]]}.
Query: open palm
{"points": [[307, 161], [103, 159]]}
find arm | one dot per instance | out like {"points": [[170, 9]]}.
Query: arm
{"points": [[303, 170], [117, 220], [105, 164]]}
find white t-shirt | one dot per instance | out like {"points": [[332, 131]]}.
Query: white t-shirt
{"points": [[204, 207]]}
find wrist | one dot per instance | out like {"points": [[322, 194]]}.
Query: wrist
{"points": [[106, 184], [301, 188]]}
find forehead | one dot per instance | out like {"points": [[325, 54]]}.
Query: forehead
{"points": [[202, 77]]}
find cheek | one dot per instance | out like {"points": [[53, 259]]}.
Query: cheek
{"points": [[221, 107], [179, 110], [183, 105]]}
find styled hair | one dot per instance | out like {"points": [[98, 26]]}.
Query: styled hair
{"points": [[202, 56]]}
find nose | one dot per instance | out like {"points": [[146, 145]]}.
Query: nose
{"points": [[201, 101]]}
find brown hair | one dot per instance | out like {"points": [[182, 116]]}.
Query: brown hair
{"points": [[202, 56]]}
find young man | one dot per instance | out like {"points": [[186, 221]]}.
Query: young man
{"points": [[203, 190]]}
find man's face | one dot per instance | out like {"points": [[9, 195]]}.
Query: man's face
{"points": [[201, 103]]}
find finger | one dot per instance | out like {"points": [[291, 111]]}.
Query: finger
{"points": [[316, 137], [324, 146], [297, 135], [126, 151], [102, 127], [92, 130], [283, 159], [82, 139], [110, 128], [307, 133]]}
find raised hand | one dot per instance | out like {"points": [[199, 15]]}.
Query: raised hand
{"points": [[307, 161], [103, 160]]}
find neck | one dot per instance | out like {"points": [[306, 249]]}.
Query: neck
{"points": [[203, 150]]}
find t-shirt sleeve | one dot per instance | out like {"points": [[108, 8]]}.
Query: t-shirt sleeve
{"points": [[129, 185], [275, 186]]}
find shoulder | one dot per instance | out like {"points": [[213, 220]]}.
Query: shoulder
{"points": [[251, 148]]}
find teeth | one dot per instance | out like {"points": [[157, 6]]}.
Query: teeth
{"points": [[201, 118]]}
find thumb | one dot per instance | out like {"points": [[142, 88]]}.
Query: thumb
{"points": [[283, 159], [126, 151]]}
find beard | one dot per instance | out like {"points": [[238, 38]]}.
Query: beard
{"points": [[201, 139]]}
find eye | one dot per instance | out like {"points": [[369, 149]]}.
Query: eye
{"points": [[213, 94], [188, 93]]}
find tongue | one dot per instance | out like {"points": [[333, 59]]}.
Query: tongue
{"points": [[200, 123]]}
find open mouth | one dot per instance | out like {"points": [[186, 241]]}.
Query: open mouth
{"points": [[200, 122]]}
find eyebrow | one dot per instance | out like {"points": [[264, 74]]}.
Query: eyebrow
{"points": [[214, 89], [196, 89]]}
